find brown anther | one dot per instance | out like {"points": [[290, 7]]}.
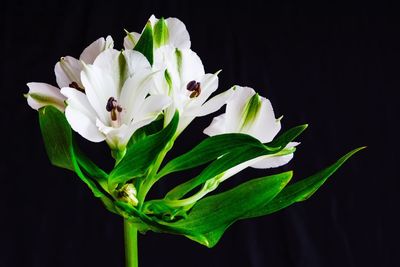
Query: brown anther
{"points": [[111, 103], [194, 94], [76, 86], [113, 107], [194, 87]]}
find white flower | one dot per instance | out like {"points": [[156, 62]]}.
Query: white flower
{"points": [[181, 76], [115, 103], [177, 33], [67, 72], [247, 112], [68, 69]]}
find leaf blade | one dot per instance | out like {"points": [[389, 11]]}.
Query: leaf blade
{"points": [[140, 155], [57, 137], [301, 190], [221, 210]]}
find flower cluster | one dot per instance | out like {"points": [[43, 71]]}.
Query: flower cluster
{"points": [[109, 94], [139, 100]]}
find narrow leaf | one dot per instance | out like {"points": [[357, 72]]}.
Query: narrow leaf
{"points": [[301, 190], [282, 140], [228, 161], [221, 210], [209, 150], [218, 145]]}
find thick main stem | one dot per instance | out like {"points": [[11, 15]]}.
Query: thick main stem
{"points": [[131, 250]]}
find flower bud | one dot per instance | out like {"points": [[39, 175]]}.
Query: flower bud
{"points": [[127, 193]]}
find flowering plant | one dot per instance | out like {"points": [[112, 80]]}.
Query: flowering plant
{"points": [[139, 100]]}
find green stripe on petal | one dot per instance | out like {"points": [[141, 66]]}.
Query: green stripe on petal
{"points": [[123, 71], [47, 100], [178, 55], [161, 33], [167, 77], [250, 111]]}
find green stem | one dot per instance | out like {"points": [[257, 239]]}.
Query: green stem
{"points": [[131, 249], [149, 181]]}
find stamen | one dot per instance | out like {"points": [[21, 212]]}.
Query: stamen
{"points": [[113, 107], [194, 87], [76, 86], [110, 104]]}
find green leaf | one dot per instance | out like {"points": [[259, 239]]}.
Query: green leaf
{"points": [[145, 43], [209, 150], [218, 145], [218, 167], [301, 190], [92, 169], [57, 137], [282, 140], [149, 129], [216, 213], [141, 155], [161, 34]]}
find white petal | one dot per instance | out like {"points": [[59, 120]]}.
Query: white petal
{"points": [[134, 92], [238, 168], [68, 70], [208, 85], [217, 126], [160, 85], [273, 161], [235, 107], [131, 40], [79, 101], [215, 103], [153, 20], [292, 144], [115, 137], [94, 49], [266, 126], [43, 94], [99, 87], [166, 61], [178, 34], [152, 106], [190, 67], [81, 116], [108, 62], [197, 107], [265, 162], [136, 61]]}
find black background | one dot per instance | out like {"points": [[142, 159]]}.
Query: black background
{"points": [[334, 67]]}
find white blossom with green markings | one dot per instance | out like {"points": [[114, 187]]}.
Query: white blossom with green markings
{"points": [[139, 100]]}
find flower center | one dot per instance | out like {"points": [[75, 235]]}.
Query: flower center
{"points": [[194, 87], [115, 110]]}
